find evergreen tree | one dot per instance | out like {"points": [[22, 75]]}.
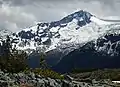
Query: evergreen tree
{"points": [[43, 63], [11, 60]]}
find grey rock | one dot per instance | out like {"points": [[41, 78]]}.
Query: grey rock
{"points": [[65, 83], [68, 77], [32, 75], [13, 80], [1, 72], [3, 84]]}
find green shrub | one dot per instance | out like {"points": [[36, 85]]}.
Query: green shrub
{"points": [[112, 74], [45, 73]]}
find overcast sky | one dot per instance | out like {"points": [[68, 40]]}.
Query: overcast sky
{"points": [[19, 14]]}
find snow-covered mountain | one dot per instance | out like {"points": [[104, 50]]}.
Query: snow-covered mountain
{"points": [[67, 34]]}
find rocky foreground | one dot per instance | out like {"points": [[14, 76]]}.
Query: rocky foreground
{"points": [[32, 80]]}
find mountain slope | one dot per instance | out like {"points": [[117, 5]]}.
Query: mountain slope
{"points": [[65, 35], [86, 57], [51, 35]]}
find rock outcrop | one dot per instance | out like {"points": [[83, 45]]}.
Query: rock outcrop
{"points": [[15, 80]]}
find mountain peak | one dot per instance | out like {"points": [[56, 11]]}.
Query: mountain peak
{"points": [[80, 15]]}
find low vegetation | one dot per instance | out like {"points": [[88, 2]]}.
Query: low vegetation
{"points": [[45, 73], [113, 74]]}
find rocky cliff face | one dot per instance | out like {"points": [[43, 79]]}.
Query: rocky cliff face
{"points": [[14, 80]]}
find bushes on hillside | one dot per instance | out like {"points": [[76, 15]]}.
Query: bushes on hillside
{"points": [[113, 74], [45, 73]]}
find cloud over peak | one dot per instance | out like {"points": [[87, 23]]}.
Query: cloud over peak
{"points": [[18, 14]]}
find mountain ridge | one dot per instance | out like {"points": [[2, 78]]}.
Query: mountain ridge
{"points": [[71, 31]]}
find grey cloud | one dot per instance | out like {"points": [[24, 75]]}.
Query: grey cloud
{"points": [[13, 18], [18, 14], [25, 2]]}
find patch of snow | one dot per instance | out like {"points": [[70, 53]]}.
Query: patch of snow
{"points": [[116, 81], [100, 22], [44, 39], [54, 29]]}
